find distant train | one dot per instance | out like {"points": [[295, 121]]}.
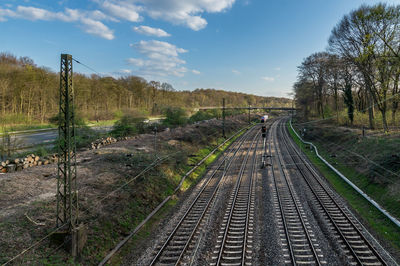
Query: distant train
{"points": [[264, 118]]}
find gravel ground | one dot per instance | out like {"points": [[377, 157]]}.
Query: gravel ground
{"points": [[156, 239], [146, 251], [267, 247], [331, 249], [326, 237], [270, 239]]}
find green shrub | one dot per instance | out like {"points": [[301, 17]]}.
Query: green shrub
{"points": [[118, 114], [232, 112], [79, 120], [200, 116], [128, 125], [42, 151], [175, 116], [85, 135]]}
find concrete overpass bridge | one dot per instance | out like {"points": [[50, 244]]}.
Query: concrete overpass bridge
{"points": [[248, 108]]}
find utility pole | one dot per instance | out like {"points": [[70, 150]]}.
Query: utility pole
{"points": [[249, 113], [155, 140], [67, 194], [291, 112], [223, 118]]}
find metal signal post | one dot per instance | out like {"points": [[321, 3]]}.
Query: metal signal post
{"points": [[223, 118], [67, 194]]}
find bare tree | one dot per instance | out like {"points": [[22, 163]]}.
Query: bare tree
{"points": [[314, 69], [362, 37], [352, 39]]}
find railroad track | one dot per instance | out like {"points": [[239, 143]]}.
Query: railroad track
{"points": [[358, 249], [235, 238], [297, 237], [178, 243]]}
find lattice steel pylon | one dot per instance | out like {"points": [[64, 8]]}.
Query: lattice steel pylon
{"points": [[67, 195]]}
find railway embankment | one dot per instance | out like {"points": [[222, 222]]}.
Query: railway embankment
{"points": [[118, 186], [370, 161]]}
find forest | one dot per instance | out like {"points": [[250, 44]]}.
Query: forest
{"points": [[356, 80], [30, 94]]}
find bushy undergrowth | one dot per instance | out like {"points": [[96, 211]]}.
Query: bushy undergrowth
{"points": [[360, 118], [379, 187], [129, 125], [175, 116], [85, 135], [200, 116], [375, 157]]}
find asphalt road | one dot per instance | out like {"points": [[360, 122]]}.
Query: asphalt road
{"points": [[47, 137]]}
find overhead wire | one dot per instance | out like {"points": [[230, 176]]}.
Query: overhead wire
{"points": [[358, 155], [88, 67], [361, 172], [35, 244], [58, 228], [152, 165], [148, 168]]}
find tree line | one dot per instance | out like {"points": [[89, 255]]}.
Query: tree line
{"points": [[359, 72], [32, 92]]}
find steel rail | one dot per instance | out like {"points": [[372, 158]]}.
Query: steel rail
{"points": [[236, 191], [362, 193], [198, 222], [171, 235], [280, 206], [249, 201], [291, 193], [316, 177]]}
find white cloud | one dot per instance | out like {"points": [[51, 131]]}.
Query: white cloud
{"points": [[277, 68], [71, 15], [146, 30], [160, 59], [157, 48], [180, 12], [196, 72], [89, 20], [4, 13], [122, 10], [97, 28], [136, 62], [119, 73], [268, 78], [236, 72], [33, 13]]}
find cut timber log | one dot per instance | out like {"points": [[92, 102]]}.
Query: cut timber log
{"points": [[11, 168]]}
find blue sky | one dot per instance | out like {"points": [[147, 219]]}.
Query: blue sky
{"points": [[251, 46]]}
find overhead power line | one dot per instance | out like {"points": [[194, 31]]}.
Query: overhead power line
{"points": [[88, 67]]}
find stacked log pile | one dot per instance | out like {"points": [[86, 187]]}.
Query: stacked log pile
{"points": [[28, 161], [97, 144], [33, 160]]}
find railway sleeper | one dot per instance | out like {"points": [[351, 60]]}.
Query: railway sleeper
{"points": [[233, 251]]}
